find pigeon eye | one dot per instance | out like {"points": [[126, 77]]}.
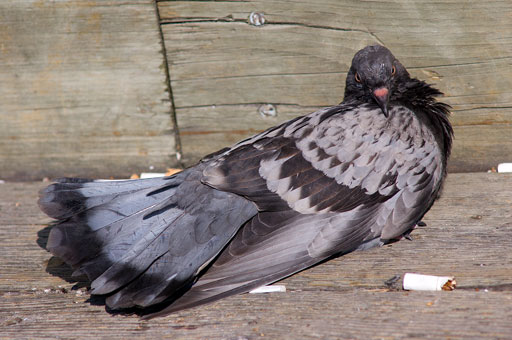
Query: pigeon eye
{"points": [[358, 79], [393, 70]]}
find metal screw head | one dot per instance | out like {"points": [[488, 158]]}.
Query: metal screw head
{"points": [[267, 110], [257, 19]]}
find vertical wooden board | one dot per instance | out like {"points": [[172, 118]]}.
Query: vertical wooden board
{"points": [[83, 89], [299, 58]]}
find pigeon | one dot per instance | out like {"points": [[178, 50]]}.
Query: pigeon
{"points": [[349, 177]]}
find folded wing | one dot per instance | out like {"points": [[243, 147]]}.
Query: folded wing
{"points": [[326, 184]]}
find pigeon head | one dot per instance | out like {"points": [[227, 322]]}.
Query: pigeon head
{"points": [[374, 77]]}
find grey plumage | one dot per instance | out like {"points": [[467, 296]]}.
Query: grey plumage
{"points": [[348, 177]]}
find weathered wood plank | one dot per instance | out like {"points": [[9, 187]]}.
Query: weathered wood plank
{"points": [[300, 56], [83, 89], [233, 123], [469, 235]]}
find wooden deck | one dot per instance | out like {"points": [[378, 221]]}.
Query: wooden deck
{"points": [[469, 235]]}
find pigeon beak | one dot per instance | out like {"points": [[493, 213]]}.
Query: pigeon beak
{"points": [[381, 96]]}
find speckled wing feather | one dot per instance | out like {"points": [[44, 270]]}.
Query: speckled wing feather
{"points": [[326, 184], [337, 160]]}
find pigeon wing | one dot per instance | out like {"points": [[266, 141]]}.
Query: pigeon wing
{"points": [[326, 184]]}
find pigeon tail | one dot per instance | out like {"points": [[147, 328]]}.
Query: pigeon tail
{"points": [[136, 240]]}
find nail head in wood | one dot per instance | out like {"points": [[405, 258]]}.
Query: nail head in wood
{"points": [[267, 110], [257, 19]]}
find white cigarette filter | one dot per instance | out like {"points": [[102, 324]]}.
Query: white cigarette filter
{"points": [[269, 289], [505, 167], [151, 174], [428, 282]]}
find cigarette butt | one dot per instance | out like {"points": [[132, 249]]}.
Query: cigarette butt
{"points": [[505, 167], [269, 289], [151, 174], [428, 282]]}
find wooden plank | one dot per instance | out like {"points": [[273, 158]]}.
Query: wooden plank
{"points": [[84, 89], [200, 135], [300, 56], [469, 235]]}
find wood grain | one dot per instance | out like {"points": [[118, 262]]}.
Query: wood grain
{"points": [[222, 67], [469, 235], [83, 89]]}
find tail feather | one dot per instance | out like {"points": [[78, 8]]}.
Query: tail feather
{"points": [[70, 196], [112, 226], [139, 256], [141, 241]]}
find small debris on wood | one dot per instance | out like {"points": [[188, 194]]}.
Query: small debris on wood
{"points": [[449, 285], [59, 290], [269, 289], [79, 292], [393, 282], [172, 171], [169, 172], [151, 174], [504, 167], [13, 321], [428, 282]]}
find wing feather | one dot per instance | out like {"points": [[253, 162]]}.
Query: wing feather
{"points": [[343, 181]]}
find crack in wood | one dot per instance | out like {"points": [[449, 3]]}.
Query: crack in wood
{"points": [[178, 147], [506, 107], [229, 18], [262, 75], [306, 107], [213, 132], [186, 20], [486, 61]]}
